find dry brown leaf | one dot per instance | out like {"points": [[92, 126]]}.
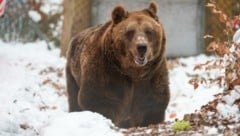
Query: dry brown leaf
{"points": [[203, 80], [47, 81], [211, 67], [24, 126], [218, 47], [194, 82], [235, 82], [222, 49], [212, 47], [207, 36], [210, 5], [200, 66], [237, 102], [223, 17], [215, 11]]}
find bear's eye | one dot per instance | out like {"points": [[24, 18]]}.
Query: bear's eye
{"points": [[149, 33], [130, 34]]}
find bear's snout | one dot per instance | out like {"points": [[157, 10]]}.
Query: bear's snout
{"points": [[141, 46]]}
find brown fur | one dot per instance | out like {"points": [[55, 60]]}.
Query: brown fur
{"points": [[102, 75]]}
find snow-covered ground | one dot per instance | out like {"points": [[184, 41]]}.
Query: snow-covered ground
{"points": [[184, 99], [33, 95], [32, 87]]}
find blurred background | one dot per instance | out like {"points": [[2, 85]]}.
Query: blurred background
{"points": [[204, 87], [56, 21]]}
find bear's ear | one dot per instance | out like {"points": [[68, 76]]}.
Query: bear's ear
{"points": [[153, 7], [118, 14], [152, 10]]}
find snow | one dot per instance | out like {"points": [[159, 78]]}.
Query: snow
{"points": [[236, 37], [86, 123], [34, 15], [212, 131], [184, 99], [55, 1], [33, 97], [52, 9], [228, 109], [234, 94], [23, 97], [51, 6]]}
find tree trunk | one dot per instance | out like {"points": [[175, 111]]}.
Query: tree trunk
{"points": [[77, 16]]}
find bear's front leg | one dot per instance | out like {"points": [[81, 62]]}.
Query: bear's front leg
{"points": [[96, 101], [159, 102]]}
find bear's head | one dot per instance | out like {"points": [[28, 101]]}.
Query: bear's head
{"points": [[138, 37]]}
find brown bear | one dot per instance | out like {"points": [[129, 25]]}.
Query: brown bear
{"points": [[119, 69]]}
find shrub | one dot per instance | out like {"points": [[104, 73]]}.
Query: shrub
{"points": [[181, 125], [228, 53]]}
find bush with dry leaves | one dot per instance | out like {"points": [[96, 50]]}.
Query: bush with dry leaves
{"points": [[227, 52]]}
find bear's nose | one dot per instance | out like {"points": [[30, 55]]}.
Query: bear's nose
{"points": [[141, 48]]}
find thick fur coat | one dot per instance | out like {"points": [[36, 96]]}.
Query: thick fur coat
{"points": [[119, 69]]}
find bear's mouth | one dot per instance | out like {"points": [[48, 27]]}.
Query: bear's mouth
{"points": [[141, 61]]}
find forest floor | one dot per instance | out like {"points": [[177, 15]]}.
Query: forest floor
{"points": [[33, 99]]}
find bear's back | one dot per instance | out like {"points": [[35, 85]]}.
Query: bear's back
{"points": [[81, 40], [83, 45]]}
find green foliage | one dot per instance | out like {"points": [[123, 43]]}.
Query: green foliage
{"points": [[181, 125]]}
